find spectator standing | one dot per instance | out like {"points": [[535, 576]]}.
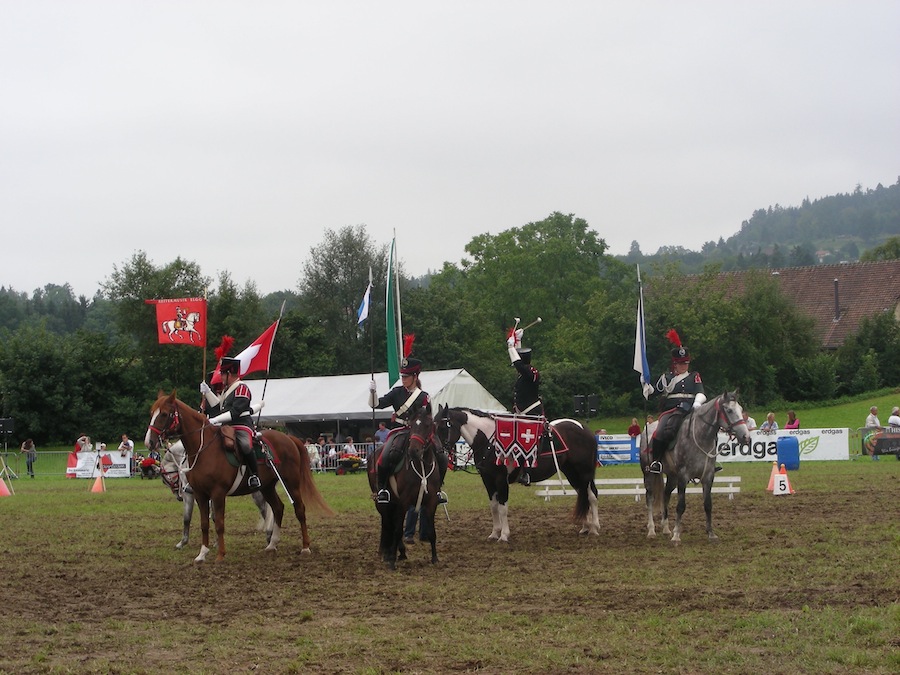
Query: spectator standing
{"points": [[792, 421], [635, 429], [894, 419], [30, 455], [770, 424], [872, 419], [126, 446], [749, 421], [381, 434]]}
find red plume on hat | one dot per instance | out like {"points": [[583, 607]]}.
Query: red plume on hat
{"points": [[224, 347], [673, 337], [408, 344]]}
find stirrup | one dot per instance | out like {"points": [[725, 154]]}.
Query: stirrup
{"points": [[383, 497], [655, 467], [442, 497], [718, 468], [253, 482], [188, 489]]}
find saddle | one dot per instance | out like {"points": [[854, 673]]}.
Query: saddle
{"points": [[261, 447]]}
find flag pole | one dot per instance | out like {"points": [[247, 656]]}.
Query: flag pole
{"points": [[266, 382]]}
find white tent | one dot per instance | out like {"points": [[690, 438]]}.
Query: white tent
{"points": [[346, 397]]}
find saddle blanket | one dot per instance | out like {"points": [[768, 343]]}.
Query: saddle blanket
{"points": [[516, 441]]}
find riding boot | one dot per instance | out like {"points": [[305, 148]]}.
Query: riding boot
{"points": [[249, 461], [657, 450], [383, 495]]}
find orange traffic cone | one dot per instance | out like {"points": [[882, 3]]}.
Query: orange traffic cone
{"points": [[782, 483], [772, 477], [99, 485], [4, 491]]}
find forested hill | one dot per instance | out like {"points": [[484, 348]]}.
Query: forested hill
{"points": [[828, 230]]}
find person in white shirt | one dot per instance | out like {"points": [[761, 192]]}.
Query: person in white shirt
{"points": [[750, 422], [894, 419], [872, 419]]}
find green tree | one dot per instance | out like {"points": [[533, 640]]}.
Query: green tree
{"points": [[889, 250], [335, 278]]}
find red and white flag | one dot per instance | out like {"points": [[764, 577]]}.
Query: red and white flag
{"points": [[181, 321], [256, 357]]}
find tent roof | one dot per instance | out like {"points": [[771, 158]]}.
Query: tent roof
{"points": [[346, 397]]}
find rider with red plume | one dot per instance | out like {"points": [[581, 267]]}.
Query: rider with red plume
{"points": [[236, 409], [682, 391], [407, 399]]}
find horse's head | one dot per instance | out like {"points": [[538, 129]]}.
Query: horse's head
{"points": [[731, 416], [447, 431], [421, 432], [165, 421]]}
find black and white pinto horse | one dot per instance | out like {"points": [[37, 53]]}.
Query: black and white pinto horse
{"points": [[190, 319], [174, 475], [692, 457], [575, 456]]}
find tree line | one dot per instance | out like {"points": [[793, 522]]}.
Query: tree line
{"points": [[72, 365]]}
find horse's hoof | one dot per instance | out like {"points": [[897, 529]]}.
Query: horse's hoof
{"points": [[305, 551], [493, 537], [651, 535], [714, 537]]}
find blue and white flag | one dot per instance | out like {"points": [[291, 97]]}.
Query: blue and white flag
{"points": [[640, 344], [363, 312]]}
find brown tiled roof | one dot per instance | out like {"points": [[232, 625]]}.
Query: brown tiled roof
{"points": [[856, 289]]}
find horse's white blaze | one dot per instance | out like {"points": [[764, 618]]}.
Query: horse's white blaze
{"points": [[152, 424]]}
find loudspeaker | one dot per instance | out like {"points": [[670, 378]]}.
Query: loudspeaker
{"points": [[7, 425], [578, 403]]}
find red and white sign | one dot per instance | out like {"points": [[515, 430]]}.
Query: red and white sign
{"points": [[516, 440]]}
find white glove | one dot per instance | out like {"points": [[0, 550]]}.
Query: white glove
{"points": [[219, 419], [515, 340], [373, 397], [204, 388], [513, 355], [699, 400], [372, 386], [256, 406]]}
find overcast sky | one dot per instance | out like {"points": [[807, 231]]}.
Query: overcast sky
{"points": [[233, 133]]}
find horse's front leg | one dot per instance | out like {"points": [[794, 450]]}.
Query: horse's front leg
{"points": [[651, 505], [707, 506], [269, 495], [218, 505], [667, 496], [679, 510], [592, 522], [503, 508], [202, 501], [187, 514]]}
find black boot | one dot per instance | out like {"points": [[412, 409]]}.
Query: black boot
{"points": [[524, 477], [657, 450], [442, 461], [250, 462], [383, 495]]}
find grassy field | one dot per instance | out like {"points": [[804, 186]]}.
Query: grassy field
{"points": [[806, 583]]}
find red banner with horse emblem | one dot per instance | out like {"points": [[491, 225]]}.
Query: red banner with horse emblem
{"points": [[516, 440], [181, 321]]}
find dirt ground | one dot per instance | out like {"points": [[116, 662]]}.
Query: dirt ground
{"points": [[85, 592]]}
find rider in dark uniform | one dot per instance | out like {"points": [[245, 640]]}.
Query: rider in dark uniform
{"points": [[682, 391], [526, 394], [407, 399], [237, 412]]}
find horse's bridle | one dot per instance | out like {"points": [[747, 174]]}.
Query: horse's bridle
{"points": [[172, 428]]}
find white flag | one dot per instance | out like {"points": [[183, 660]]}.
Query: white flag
{"points": [[640, 345]]}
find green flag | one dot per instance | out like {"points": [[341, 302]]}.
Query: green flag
{"points": [[392, 302]]}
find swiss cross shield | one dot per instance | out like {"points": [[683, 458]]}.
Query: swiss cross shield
{"points": [[516, 440]]}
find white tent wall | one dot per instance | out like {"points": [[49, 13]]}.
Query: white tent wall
{"points": [[345, 398]]}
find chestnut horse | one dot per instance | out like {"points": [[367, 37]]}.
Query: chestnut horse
{"points": [[417, 483], [213, 477]]}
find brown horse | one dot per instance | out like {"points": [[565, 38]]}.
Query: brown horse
{"points": [[417, 483], [212, 476]]}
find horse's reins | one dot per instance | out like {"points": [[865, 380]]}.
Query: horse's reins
{"points": [[728, 426], [423, 487], [174, 425]]}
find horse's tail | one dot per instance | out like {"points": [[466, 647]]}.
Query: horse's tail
{"points": [[312, 498]]}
